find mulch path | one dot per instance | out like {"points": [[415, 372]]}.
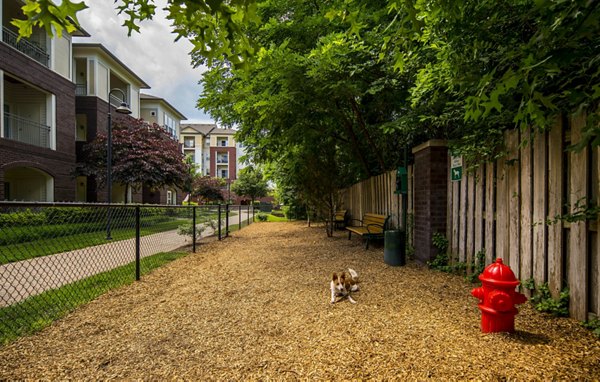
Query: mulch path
{"points": [[256, 306]]}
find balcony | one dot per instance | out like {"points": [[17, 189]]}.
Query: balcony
{"points": [[25, 46], [81, 90], [23, 130], [116, 101]]}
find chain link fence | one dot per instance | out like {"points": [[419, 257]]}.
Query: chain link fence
{"points": [[57, 256]]}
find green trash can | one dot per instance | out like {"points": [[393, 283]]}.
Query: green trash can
{"points": [[394, 252]]}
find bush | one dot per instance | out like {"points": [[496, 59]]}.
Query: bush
{"points": [[22, 218], [262, 217]]}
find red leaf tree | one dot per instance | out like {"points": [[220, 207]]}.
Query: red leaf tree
{"points": [[142, 155]]}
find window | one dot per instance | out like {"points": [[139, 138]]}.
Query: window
{"points": [[169, 125], [222, 141], [223, 174], [189, 142], [169, 197], [222, 158]]}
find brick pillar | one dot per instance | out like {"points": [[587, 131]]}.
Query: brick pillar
{"points": [[430, 196]]}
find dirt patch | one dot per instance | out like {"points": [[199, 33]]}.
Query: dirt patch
{"points": [[256, 306]]}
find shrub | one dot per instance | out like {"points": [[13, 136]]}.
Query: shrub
{"points": [[22, 218], [543, 302], [262, 217]]}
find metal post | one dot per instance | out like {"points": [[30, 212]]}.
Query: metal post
{"points": [[194, 229], [219, 222], [109, 173], [137, 243], [240, 216], [227, 220]]}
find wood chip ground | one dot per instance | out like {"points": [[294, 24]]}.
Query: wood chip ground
{"points": [[256, 307]]}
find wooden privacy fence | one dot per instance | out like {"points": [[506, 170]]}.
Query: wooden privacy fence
{"points": [[377, 195], [502, 208]]}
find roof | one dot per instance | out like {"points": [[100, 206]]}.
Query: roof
{"points": [[158, 99], [143, 84], [202, 128]]}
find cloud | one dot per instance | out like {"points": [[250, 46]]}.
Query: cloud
{"points": [[152, 54]]}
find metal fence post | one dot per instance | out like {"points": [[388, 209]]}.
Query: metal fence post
{"points": [[194, 229], [240, 216], [219, 222], [227, 220], [137, 243]]}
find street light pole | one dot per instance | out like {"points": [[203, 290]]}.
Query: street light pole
{"points": [[122, 109]]}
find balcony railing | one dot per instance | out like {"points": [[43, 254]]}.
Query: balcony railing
{"points": [[26, 131], [81, 90], [25, 46], [116, 101]]}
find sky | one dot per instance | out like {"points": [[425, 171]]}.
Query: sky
{"points": [[153, 55]]}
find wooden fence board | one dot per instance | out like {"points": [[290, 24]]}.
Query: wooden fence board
{"points": [[479, 222], [449, 208], [578, 264], [455, 217], [539, 208], [514, 218], [462, 234], [526, 271], [555, 203], [470, 221], [490, 198], [502, 210]]}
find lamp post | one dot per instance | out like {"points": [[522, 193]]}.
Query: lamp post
{"points": [[122, 109]]}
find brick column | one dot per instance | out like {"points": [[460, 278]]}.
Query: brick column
{"points": [[430, 196]]}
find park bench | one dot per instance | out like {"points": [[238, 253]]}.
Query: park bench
{"points": [[371, 227], [339, 221]]}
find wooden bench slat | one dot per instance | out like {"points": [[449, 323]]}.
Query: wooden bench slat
{"points": [[371, 226]]}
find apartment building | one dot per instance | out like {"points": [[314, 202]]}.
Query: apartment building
{"points": [[102, 81], [37, 93], [158, 110], [214, 150], [195, 140]]}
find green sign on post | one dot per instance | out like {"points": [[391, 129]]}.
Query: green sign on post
{"points": [[401, 181], [456, 168]]}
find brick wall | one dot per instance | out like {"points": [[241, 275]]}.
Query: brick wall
{"points": [[58, 163], [231, 163], [430, 193]]}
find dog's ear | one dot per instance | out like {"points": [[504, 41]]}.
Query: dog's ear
{"points": [[343, 276], [335, 277]]}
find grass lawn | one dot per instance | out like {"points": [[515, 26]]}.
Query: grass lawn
{"points": [[273, 218]]}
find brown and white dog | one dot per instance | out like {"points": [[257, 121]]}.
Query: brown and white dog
{"points": [[343, 285]]}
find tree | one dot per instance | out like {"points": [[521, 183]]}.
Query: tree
{"points": [[142, 155], [251, 184], [208, 189], [215, 27]]}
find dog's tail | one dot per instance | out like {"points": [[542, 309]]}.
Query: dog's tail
{"points": [[353, 274]]}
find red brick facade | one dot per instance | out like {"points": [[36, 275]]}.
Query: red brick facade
{"points": [[214, 151]]}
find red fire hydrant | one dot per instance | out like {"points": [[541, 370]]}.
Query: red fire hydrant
{"points": [[497, 298]]}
